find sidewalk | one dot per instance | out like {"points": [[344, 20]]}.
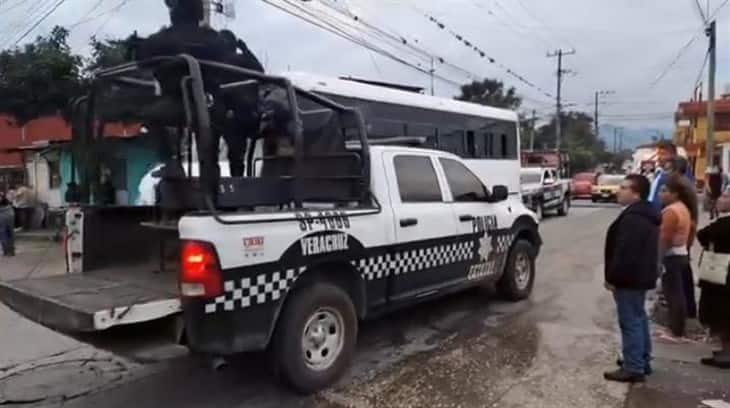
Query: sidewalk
{"points": [[680, 381], [39, 365]]}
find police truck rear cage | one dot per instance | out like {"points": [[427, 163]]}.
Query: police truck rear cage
{"points": [[324, 167]]}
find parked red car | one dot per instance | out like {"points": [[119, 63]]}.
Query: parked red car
{"points": [[582, 185]]}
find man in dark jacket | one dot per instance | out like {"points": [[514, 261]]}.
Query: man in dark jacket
{"points": [[632, 269]]}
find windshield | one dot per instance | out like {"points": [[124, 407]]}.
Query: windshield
{"points": [[610, 180], [530, 178], [584, 177]]}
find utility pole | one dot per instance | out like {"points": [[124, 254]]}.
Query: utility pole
{"points": [[533, 130], [710, 32], [595, 116], [615, 132], [558, 125]]}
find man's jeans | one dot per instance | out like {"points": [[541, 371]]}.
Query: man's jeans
{"points": [[635, 334]]}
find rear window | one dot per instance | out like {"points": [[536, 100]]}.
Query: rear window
{"points": [[417, 181]]}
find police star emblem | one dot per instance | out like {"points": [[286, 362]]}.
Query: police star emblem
{"points": [[485, 246]]}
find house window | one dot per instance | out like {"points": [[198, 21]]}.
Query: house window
{"points": [[54, 174]]}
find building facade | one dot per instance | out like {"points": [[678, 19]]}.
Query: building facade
{"points": [[691, 133]]}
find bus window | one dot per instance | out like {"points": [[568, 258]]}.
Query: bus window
{"points": [[452, 141], [488, 148], [471, 144], [497, 148], [379, 128], [512, 150], [503, 146], [423, 130]]}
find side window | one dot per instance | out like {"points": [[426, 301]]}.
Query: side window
{"points": [[452, 141], [417, 181], [464, 185], [488, 148], [497, 147]]}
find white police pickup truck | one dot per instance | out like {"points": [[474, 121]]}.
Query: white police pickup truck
{"points": [[299, 281]]}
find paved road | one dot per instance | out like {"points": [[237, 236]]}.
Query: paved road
{"points": [[466, 350]]}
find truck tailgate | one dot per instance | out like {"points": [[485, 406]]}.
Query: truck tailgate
{"points": [[94, 301]]}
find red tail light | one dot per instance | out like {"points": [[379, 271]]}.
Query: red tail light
{"points": [[200, 271]]}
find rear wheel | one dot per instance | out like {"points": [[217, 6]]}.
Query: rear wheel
{"points": [[316, 337], [519, 275]]}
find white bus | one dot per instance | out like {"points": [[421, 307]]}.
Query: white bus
{"points": [[486, 137]]}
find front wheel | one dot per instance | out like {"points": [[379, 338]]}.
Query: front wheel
{"points": [[564, 207], [316, 337], [519, 275]]}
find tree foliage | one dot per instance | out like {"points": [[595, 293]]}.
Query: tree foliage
{"points": [[40, 78], [490, 92], [108, 53], [586, 150]]}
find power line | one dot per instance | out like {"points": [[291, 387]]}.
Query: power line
{"points": [[483, 54], [33, 11], [702, 12], [39, 21], [676, 59], [399, 41], [314, 21]]}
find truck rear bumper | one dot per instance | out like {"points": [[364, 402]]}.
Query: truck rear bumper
{"points": [[226, 333]]}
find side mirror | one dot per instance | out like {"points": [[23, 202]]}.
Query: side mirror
{"points": [[499, 193]]}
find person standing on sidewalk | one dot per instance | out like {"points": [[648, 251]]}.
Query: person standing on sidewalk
{"points": [[676, 237], [666, 153], [689, 198], [714, 189], [631, 270], [7, 226], [715, 298]]}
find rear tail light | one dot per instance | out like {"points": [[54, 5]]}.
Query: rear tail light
{"points": [[200, 271]]}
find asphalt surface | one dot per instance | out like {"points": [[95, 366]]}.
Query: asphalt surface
{"points": [[467, 350]]}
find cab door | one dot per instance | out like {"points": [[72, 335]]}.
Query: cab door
{"points": [[477, 221], [422, 259]]}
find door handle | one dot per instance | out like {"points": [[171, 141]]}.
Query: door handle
{"points": [[466, 218], [408, 222]]}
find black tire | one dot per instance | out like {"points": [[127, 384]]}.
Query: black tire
{"points": [[288, 352], [564, 207], [511, 285]]}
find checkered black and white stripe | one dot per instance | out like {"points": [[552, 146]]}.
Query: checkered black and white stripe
{"points": [[414, 260], [245, 292], [503, 242]]}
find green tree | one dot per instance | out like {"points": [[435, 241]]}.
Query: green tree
{"points": [[490, 92], [586, 150], [108, 53], [39, 78]]}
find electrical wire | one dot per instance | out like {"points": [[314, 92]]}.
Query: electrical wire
{"points": [[53, 9], [676, 59], [355, 40]]}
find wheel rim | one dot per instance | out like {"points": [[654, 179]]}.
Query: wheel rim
{"points": [[523, 271], [323, 338]]}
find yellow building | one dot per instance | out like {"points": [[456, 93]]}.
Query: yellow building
{"points": [[691, 133]]}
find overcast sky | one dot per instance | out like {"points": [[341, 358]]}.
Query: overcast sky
{"points": [[621, 45]]}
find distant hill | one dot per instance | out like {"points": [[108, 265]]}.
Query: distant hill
{"points": [[634, 136]]}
